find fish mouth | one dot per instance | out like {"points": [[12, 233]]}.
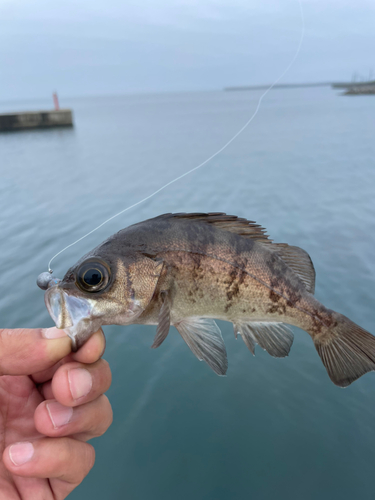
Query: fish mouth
{"points": [[72, 314]]}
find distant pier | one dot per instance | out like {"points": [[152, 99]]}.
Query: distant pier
{"points": [[278, 86], [348, 85], [356, 88], [351, 88], [363, 90], [36, 119]]}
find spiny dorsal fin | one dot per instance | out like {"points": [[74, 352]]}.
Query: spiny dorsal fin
{"points": [[230, 223]]}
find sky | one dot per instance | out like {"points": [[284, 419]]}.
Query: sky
{"points": [[106, 47]]}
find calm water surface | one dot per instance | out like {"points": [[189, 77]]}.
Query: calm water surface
{"points": [[271, 429]]}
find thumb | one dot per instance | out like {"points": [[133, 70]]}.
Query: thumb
{"points": [[26, 351]]}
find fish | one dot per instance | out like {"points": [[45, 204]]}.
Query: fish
{"points": [[189, 269]]}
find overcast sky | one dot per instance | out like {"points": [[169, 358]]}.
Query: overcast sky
{"points": [[92, 47]]}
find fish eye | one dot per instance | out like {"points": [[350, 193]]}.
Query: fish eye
{"points": [[93, 276]]}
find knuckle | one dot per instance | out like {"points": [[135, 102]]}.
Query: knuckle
{"points": [[104, 362], [89, 458], [103, 419], [108, 416], [104, 367], [66, 451], [102, 376], [106, 372], [78, 458]]}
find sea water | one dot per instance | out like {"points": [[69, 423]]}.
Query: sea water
{"points": [[304, 169]]}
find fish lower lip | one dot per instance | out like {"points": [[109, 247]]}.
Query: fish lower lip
{"points": [[54, 300], [66, 310]]}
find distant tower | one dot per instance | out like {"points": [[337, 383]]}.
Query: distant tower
{"points": [[56, 101]]}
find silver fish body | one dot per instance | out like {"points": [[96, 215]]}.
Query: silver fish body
{"points": [[187, 270]]}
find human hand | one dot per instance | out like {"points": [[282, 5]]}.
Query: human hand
{"points": [[51, 403]]}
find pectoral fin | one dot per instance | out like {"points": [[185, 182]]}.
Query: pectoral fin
{"points": [[204, 338], [275, 338], [164, 320]]}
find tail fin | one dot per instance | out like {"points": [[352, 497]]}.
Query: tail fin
{"points": [[350, 354]]}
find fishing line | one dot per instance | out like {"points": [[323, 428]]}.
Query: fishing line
{"points": [[208, 159]]}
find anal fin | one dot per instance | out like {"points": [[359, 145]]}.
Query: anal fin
{"points": [[275, 338], [240, 329], [204, 338]]}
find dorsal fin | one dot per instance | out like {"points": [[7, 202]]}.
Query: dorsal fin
{"points": [[230, 223], [299, 261], [294, 257]]}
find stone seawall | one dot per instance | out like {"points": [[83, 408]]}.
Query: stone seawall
{"points": [[36, 119]]}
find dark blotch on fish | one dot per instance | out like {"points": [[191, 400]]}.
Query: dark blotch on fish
{"points": [[186, 270]]}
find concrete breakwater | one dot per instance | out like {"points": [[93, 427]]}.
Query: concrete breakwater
{"points": [[363, 90], [36, 119]]}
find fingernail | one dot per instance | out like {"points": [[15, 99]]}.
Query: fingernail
{"points": [[80, 382], [20, 453], [60, 415], [53, 333]]}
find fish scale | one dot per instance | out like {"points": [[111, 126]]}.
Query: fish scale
{"points": [[186, 270]]}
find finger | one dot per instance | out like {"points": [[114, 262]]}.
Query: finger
{"points": [[90, 352], [75, 383], [46, 390], [84, 422], [26, 351], [64, 458], [47, 374]]}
